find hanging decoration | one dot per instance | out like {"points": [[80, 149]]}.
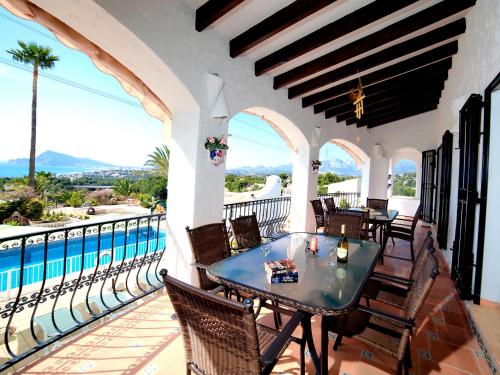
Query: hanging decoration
{"points": [[217, 148], [357, 97], [315, 165]]}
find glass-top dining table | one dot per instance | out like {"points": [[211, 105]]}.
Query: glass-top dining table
{"points": [[324, 286]]}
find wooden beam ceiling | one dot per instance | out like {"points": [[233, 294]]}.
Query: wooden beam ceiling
{"points": [[385, 87], [212, 10], [405, 77], [343, 26], [369, 121], [272, 25], [392, 53], [402, 116], [388, 110], [389, 34], [411, 93], [391, 71]]}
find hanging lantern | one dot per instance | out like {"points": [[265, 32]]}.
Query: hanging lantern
{"points": [[357, 97]]}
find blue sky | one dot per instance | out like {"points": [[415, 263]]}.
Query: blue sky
{"points": [[83, 124]]}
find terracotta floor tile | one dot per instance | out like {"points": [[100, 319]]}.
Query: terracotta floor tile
{"points": [[146, 339]]}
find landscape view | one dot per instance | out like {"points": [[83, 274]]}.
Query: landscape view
{"points": [[113, 153]]}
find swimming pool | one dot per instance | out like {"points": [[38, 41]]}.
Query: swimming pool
{"points": [[118, 245]]}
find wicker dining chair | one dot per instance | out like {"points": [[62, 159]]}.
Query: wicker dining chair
{"points": [[385, 331], [246, 231], [319, 213], [330, 205], [393, 290], [209, 244], [221, 336], [352, 220], [376, 204], [403, 227]]}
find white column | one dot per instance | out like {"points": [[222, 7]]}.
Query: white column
{"points": [[195, 189], [304, 188], [379, 168]]}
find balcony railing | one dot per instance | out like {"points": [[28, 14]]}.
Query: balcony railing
{"points": [[272, 214], [352, 199], [55, 282]]}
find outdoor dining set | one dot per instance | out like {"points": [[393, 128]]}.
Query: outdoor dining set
{"points": [[220, 320]]}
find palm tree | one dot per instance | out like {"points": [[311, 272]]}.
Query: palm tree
{"points": [[39, 57], [124, 187], [159, 160]]}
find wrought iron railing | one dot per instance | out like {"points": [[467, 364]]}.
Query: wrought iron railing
{"points": [[272, 214], [54, 282], [341, 199]]}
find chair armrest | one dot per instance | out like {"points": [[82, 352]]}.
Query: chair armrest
{"points": [[395, 279], [217, 289], [385, 315], [270, 355], [199, 265]]}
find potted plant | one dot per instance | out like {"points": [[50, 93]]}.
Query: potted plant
{"points": [[217, 148], [315, 165]]}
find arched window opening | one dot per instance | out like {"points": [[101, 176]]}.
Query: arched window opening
{"points": [[258, 159], [404, 178]]}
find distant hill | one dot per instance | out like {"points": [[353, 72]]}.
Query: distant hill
{"points": [[56, 159], [337, 166], [404, 166]]}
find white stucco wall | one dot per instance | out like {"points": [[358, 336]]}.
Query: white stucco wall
{"points": [[348, 186], [157, 41], [474, 67]]}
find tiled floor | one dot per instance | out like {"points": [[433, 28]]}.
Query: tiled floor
{"points": [[146, 340]]}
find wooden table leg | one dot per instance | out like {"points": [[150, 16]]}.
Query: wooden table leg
{"points": [[324, 347], [306, 327]]}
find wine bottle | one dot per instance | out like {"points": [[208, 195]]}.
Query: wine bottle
{"points": [[343, 247]]}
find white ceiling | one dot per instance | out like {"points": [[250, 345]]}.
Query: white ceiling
{"points": [[252, 12]]}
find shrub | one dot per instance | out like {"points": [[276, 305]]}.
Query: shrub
{"points": [[7, 209], [344, 204], [32, 209], [51, 217], [100, 197], [145, 200], [76, 199], [14, 223]]}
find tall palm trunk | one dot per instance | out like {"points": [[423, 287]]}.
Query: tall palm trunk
{"points": [[31, 178]]}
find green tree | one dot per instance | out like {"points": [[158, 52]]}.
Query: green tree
{"points": [[159, 160], [39, 57], [124, 187]]}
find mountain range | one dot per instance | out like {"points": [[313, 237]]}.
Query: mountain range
{"points": [[57, 159], [337, 166]]}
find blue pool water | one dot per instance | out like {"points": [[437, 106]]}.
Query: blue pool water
{"points": [[134, 244]]}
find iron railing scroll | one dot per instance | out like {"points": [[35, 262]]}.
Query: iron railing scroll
{"points": [[55, 282], [272, 214]]}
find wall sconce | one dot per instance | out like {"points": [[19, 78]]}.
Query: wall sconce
{"points": [[216, 98], [316, 136], [378, 151]]}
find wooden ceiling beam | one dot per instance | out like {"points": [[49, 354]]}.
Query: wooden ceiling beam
{"points": [[212, 10], [272, 25], [397, 51], [402, 116], [388, 110], [343, 26], [389, 34], [384, 87], [417, 92], [396, 114], [443, 52]]}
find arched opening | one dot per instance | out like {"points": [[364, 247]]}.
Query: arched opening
{"points": [[349, 161], [405, 170], [266, 154]]}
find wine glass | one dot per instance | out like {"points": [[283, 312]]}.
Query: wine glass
{"points": [[266, 249], [331, 244]]}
